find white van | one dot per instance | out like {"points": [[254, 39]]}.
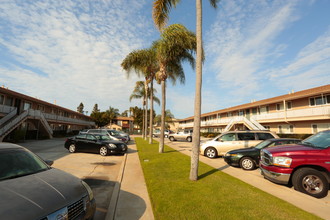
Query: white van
{"points": [[234, 140]]}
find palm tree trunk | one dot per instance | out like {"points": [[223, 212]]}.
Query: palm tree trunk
{"points": [[162, 126], [198, 99], [146, 113], [143, 125], [151, 109]]}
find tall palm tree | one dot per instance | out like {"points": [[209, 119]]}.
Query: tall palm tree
{"points": [[177, 44], [143, 62], [161, 10], [112, 113]]}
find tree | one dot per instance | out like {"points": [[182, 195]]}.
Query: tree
{"points": [[124, 113], [161, 10], [168, 119], [177, 44], [100, 119], [95, 109], [112, 114], [80, 108], [144, 62]]}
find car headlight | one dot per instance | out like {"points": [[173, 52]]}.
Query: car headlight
{"points": [[112, 146], [282, 161], [89, 190]]}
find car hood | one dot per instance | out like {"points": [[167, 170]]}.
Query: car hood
{"points": [[35, 196], [244, 150], [293, 149]]}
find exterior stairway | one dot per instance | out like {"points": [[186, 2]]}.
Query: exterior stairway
{"points": [[249, 123], [12, 121]]}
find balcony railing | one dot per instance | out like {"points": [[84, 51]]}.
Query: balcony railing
{"points": [[61, 119], [321, 111]]}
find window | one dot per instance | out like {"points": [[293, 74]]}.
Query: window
{"points": [[241, 113], [2, 99], [279, 129], [228, 137], [27, 105], [319, 100], [291, 129], [264, 136], [246, 136], [279, 107], [314, 129], [9, 101], [289, 105]]}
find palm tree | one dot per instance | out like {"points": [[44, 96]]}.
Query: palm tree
{"points": [[112, 113], [168, 119], [161, 10], [177, 44], [138, 93], [143, 62]]}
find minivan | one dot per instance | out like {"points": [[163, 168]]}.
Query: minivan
{"points": [[234, 140]]}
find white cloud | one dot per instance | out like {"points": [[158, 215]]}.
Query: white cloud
{"points": [[71, 51]]}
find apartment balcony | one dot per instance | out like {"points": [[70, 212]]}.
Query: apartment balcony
{"points": [[65, 120], [311, 113]]}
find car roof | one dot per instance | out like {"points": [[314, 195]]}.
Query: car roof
{"points": [[6, 145]]}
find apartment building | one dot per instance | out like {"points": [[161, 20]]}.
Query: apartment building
{"points": [[301, 112], [125, 124], [28, 117]]}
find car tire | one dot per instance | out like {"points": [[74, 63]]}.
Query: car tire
{"points": [[247, 163], [311, 182], [211, 152], [172, 138], [189, 139], [103, 151], [72, 148]]}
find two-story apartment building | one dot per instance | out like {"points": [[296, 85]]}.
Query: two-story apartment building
{"points": [[34, 118], [302, 112]]}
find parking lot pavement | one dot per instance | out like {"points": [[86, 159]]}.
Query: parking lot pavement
{"points": [[319, 207], [99, 172]]}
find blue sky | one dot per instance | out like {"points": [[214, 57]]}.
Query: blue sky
{"points": [[70, 51]]}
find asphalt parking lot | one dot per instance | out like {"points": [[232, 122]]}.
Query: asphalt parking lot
{"points": [[99, 172]]}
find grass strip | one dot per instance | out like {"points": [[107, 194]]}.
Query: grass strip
{"points": [[216, 195]]}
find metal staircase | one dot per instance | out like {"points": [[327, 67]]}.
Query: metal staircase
{"points": [[12, 121], [251, 124]]}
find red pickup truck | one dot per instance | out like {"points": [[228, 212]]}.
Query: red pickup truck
{"points": [[306, 165]]}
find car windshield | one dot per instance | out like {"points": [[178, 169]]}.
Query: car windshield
{"points": [[16, 163], [319, 140], [263, 144]]}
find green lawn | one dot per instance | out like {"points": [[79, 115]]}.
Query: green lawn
{"points": [[216, 195]]}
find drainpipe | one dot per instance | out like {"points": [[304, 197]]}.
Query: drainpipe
{"points": [[284, 106]]}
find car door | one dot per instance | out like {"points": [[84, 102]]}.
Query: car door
{"points": [[80, 142], [247, 139], [91, 144], [226, 142]]}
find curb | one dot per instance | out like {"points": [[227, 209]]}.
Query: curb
{"points": [[115, 193]]}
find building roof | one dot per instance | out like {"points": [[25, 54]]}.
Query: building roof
{"points": [[29, 98], [121, 118], [291, 96]]}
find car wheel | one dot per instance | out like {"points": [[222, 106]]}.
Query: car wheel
{"points": [[246, 163], [171, 138], [189, 139], [211, 152], [72, 148], [311, 182], [103, 151]]}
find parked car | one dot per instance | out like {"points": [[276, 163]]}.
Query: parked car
{"points": [[156, 133], [125, 135], [95, 143], [181, 135], [111, 133], [234, 140], [306, 165], [31, 189], [248, 158]]}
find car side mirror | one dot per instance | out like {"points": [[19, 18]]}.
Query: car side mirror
{"points": [[49, 162]]}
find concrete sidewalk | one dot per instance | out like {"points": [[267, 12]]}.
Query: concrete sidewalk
{"points": [[130, 198]]}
